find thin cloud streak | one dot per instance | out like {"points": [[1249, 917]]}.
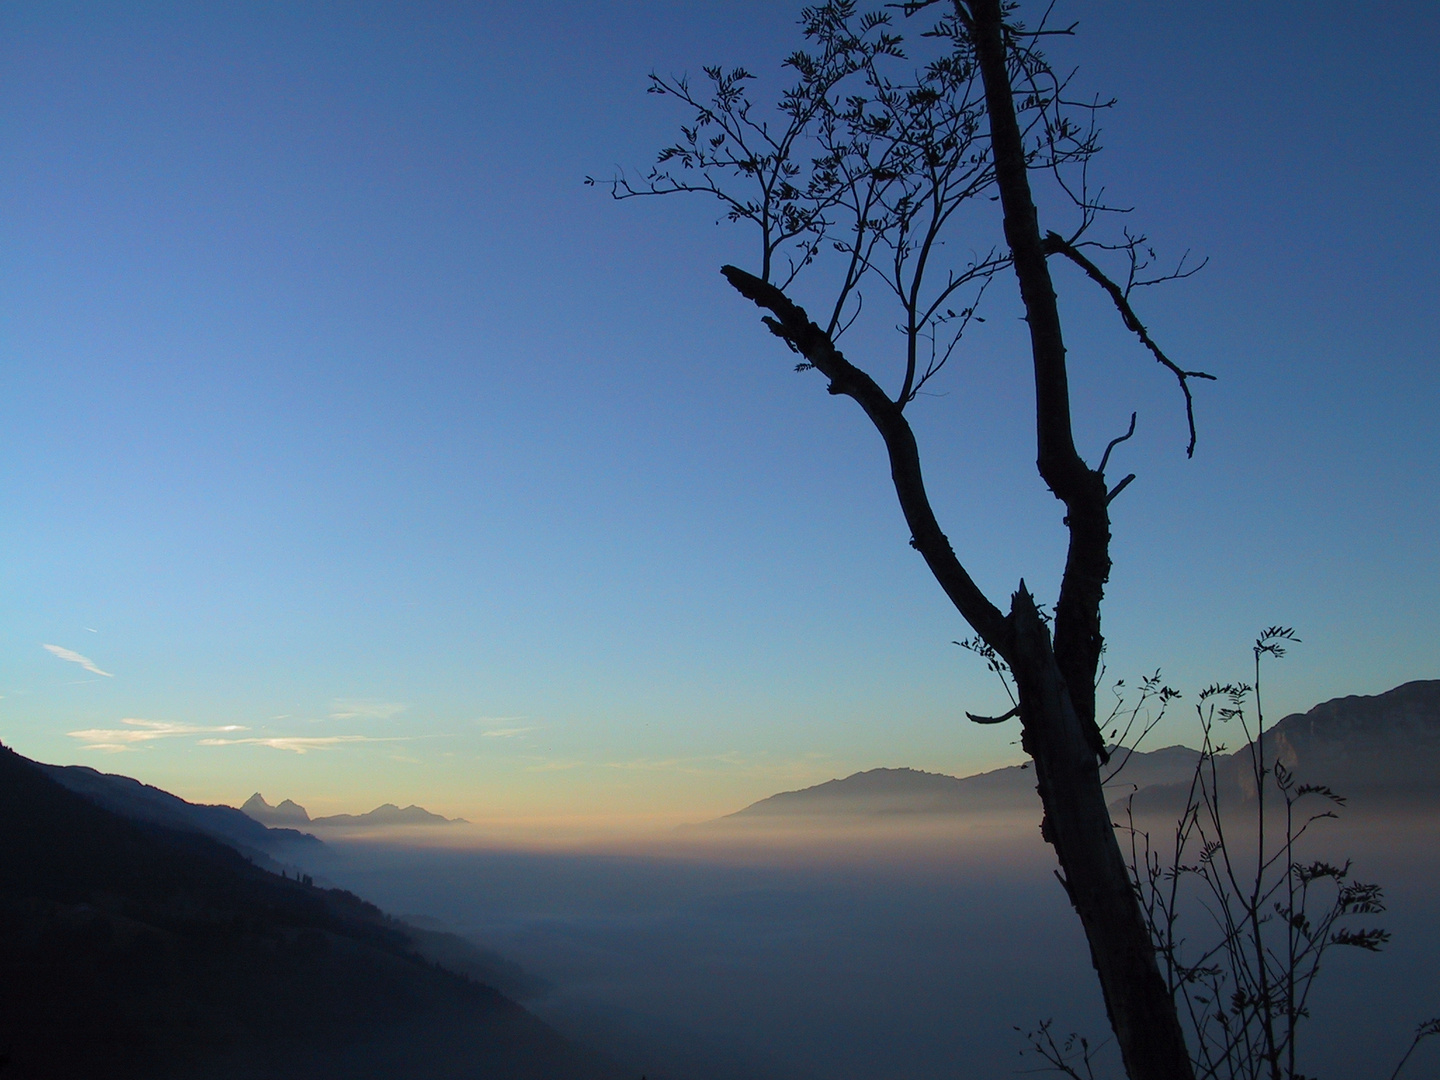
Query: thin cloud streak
{"points": [[118, 740], [75, 658], [300, 744], [505, 733], [345, 709]]}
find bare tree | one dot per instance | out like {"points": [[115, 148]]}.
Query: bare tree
{"points": [[859, 175]]}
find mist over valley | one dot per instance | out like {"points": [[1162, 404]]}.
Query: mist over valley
{"points": [[734, 541], [890, 923]]}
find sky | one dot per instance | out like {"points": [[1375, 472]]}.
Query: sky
{"points": [[353, 450]]}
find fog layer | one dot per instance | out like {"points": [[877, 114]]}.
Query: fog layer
{"points": [[896, 952]]}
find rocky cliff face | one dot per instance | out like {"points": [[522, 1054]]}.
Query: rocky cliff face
{"points": [[1378, 751], [1389, 742]]}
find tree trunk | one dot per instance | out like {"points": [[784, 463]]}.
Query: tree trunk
{"points": [[1077, 823], [1057, 735], [1057, 682]]}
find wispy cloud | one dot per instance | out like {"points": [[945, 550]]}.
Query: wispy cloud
{"points": [[505, 732], [299, 744], [116, 740], [75, 658], [347, 709]]}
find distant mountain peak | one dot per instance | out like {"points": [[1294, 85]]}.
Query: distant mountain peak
{"points": [[899, 793], [874, 791], [292, 813], [1385, 746], [287, 813], [390, 814]]}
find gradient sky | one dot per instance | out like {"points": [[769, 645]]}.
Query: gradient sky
{"points": [[352, 450]]}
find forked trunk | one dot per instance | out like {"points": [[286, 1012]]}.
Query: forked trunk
{"points": [[1059, 726], [1078, 824], [1057, 682]]}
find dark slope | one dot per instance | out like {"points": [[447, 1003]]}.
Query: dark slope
{"points": [[141, 802], [464, 957], [132, 950]]}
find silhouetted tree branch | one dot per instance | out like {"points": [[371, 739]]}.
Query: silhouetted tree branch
{"points": [[1056, 244], [871, 163]]}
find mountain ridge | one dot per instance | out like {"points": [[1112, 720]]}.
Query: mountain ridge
{"points": [[288, 812], [1377, 750], [133, 949], [1383, 746], [141, 802]]}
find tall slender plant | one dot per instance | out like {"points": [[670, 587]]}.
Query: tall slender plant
{"points": [[1242, 917]]}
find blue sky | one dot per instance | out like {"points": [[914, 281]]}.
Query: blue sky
{"points": [[336, 412]]}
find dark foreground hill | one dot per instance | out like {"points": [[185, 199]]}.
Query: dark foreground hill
{"points": [[141, 802], [129, 950]]}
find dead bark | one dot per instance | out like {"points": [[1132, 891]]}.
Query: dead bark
{"points": [[1056, 735], [1078, 825], [1057, 684]]}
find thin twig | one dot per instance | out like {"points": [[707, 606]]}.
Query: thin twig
{"points": [[1056, 244]]}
